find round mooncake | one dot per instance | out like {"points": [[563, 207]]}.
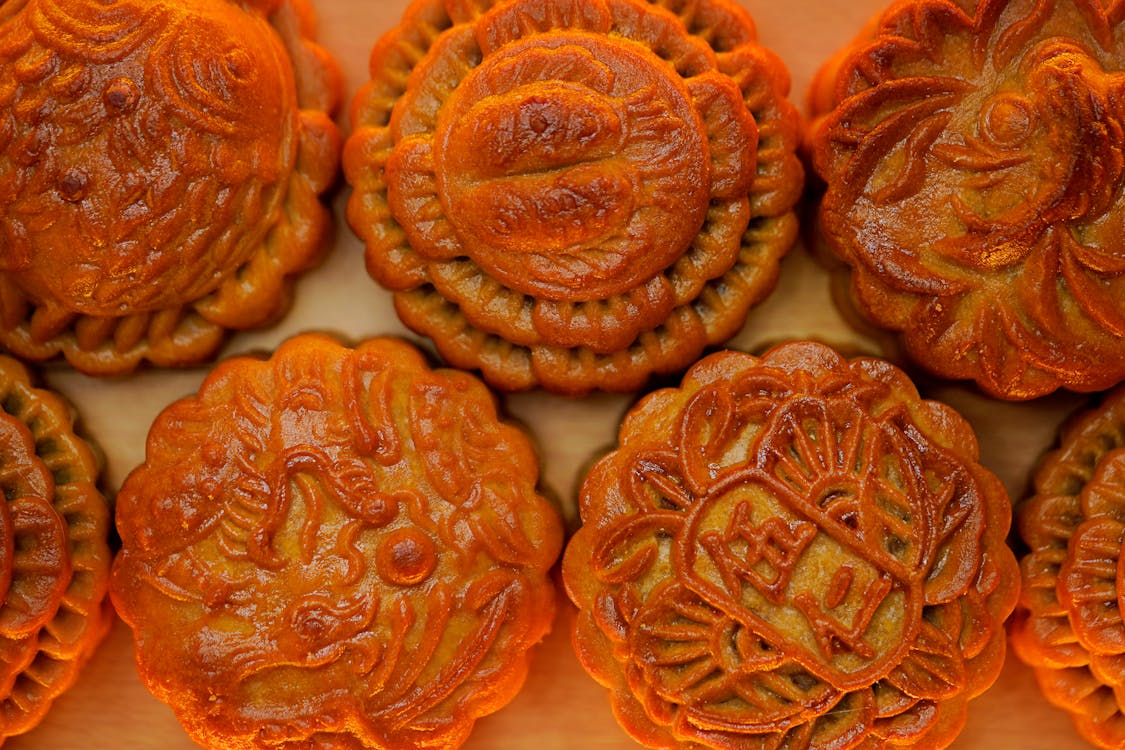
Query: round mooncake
{"points": [[974, 152], [794, 551], [54, 551], [335, 548], [1069, 625], [161, 164], [574, 194]]}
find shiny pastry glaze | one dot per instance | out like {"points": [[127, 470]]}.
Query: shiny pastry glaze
{"points": [[335, 548], [160, 164], [1069, 625], [973, 155], [577, 194], [792, 551]]}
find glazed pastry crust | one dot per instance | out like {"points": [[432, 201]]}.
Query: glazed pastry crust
{"points": [[1069, 625], [54, 551], [149, 204], [335, 548], [634, 228], [973, 156], [792, 551]]}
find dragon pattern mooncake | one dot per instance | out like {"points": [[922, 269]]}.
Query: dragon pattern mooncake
{"points": [[974, 154], [1069, 625], [795, 551], [54, 551], [574, 194], [161, 164], [335, 548]]}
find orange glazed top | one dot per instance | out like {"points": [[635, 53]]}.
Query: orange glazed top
{"points": [[335, 548], [160, 164], [574, 194], [1069, 625], [974, 155], [792, 551]]}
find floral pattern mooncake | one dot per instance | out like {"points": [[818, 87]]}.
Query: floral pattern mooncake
{"points": [[574, 194], [974, 155]]}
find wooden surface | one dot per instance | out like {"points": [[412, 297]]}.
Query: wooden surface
{"points": [[560, 707]]}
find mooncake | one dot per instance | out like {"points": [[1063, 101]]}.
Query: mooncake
{"points": [[1069, 625], [973, 155], [335, 548], [792, 551], [54, 551], [161, 164], [576, 194]]}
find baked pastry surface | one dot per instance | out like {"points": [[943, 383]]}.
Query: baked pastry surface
{"points": [[1069, 625], [54, 551], [160, 170], [973, 154], [792, 551], [576, 194], [335, 548]]}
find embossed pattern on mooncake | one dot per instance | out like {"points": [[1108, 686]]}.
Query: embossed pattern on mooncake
{"points": [[54, 551], [160, 170], [574, 194], [335, 548], [973, 154], [795, 551], [1069, 625]]}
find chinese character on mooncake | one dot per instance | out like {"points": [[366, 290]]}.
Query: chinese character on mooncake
{"points": [[335, 548], [160, 170], [974, 155], [1069, 625], [574, 194], [792, 551], [54, 551]]}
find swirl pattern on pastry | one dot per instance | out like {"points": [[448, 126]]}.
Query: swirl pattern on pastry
{"points": [[574, 195], [974, 155], [792, 551], [335, 547]]}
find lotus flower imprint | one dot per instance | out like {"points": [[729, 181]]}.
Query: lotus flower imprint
{"points": [[558, 190], [812, 558], [335, 544], [1069, 624], [159, 172], [974, 165]]}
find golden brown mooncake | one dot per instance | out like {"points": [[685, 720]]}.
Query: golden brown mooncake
{"points": [[973, 153], [54, 551], [1069, 623], [336, 548], [574, 194], [794, 551], [161, 164]]}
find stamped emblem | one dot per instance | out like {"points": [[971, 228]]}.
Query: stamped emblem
{"points": [[806, 550]]}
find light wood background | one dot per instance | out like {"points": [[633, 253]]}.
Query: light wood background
{"points": [[560, 706]]}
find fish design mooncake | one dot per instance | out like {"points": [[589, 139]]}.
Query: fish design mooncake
{"points": [[574, 194], [1069, 624], [54, 551], [335, 548], [973, 154], [792, 551], [161, 164]]}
